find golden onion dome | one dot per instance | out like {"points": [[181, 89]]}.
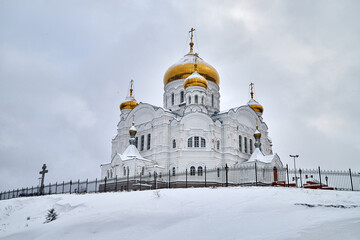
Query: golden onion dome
{"points": [[130, 102], [256, 106], [253, 103], [195, 79], [185, 67], [257, 134]]}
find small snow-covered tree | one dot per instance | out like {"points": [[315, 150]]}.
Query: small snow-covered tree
{"points": [[51, 215]]}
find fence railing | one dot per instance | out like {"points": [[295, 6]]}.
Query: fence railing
{"points": [[245, 175]]}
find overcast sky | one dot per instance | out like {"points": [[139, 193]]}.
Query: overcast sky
{"points": [[65, 67]]}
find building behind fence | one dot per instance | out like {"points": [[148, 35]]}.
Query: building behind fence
{"points": [[251, 175]]}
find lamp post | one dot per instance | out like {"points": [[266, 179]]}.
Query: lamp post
{"points": [[295, 156]]}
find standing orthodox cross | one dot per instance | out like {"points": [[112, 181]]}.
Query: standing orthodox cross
{"points": [[252, 90], [44, 170], [191, 32], [131, 87]]}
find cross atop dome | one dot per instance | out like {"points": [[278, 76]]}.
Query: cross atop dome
{"points": [[191, 39]]}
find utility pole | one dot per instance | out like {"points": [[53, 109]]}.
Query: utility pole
{"points": [[295, 156]]}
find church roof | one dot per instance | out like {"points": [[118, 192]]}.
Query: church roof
{"points": [[258, 156], [130, 153]]}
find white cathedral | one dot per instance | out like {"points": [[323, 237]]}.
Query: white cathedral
{"points": [[189, 132]]}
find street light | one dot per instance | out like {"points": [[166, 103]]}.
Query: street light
{"points": [[295, 156]]}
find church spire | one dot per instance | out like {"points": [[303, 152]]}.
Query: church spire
{"points": [[191, 40]]}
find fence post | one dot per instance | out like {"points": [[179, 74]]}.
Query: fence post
{"points": [[186, 172], [127, 181], [256, 182], [95, 184], [116, 183], [87, 183], [301, 184], [352, 187], [320, 177], [105, 184], [63, 187], [49, 188], [155, 176], [169, 180], [78, 188], [56, 188], [70, 186], [140, 180], [226, 175], [205, 176], [287, 174], [32, 190]]}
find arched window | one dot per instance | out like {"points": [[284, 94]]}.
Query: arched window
{"points": [[173, 171], [142, 143], [203, 142], [196, 98], [192, 171], [181, 96], [189, 99], [128, 171], [251, 146], [212, 100], [196, 141], [111, 173], [218, 145], [218, 172], [174, 143], [190, 142], [172, 99], [142, 170], [124, 171], [245, 145], [240, 143], [200, 171], [148, 141], [136, 142]]}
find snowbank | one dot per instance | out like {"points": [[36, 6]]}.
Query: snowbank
{"points": [[221, 213]]}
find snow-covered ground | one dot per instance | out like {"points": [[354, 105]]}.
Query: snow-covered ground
{"points": [[205, 213]]}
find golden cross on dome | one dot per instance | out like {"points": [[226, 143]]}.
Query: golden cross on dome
{"points": [[252, 90], [131, 87], [191, 39], [133, 122]]}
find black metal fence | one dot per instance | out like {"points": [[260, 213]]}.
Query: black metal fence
{"points": [[244, 175]]}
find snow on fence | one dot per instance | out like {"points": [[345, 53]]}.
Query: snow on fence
{"points": [[245, 175]]}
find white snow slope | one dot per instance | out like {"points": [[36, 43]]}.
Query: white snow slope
{"points": [[204, 213]]}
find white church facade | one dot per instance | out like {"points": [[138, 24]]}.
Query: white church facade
{"points": [[189, 132]]}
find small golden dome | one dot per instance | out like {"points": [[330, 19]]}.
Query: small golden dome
{"points": [[253, 103], [256, 106], [257, 134], [185, 67], [195, 79], [131, 104]]}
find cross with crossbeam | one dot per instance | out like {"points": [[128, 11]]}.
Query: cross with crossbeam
{"points": [[44, 170]]}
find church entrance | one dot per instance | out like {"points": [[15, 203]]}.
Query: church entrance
{"points": [[275, 175]]}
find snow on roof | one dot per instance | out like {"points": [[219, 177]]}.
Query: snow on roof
{"points": [[131, 152], [133, 128], [252, 102], [258, 156]]}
